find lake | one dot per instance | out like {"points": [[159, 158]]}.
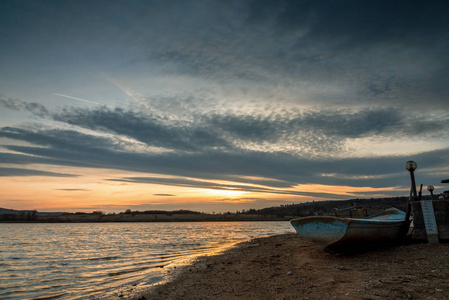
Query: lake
{"points": [[94, 260]]}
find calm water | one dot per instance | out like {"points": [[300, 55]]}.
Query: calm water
{"points": [[94, 260]]}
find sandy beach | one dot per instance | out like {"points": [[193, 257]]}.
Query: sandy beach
{"points": [[287, 267]]}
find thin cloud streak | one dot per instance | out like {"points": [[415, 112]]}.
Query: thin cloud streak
{"points": [[12, 172], [232, 187], [82, 100]]}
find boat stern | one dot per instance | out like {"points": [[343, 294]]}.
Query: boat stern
{"points": [[321, 230]]}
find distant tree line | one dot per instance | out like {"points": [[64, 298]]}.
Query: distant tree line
{"points": [[160, 212], [21, 216], [327, 207], [330, 206]]}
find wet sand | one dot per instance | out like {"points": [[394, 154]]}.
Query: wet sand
{"points": [[287, 267]]}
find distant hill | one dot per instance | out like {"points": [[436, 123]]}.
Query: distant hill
{"points": [[331, 207], [14, 212], [5, 211]]}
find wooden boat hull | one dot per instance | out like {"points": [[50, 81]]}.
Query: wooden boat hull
{"points": [[337, 234]]}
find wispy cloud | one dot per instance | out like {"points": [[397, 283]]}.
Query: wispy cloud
{"points": [[126, 90], [224, 187], [82, 100], [8, 172], [33, 107]]}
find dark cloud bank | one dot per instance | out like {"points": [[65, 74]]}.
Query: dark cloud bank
{"points": [[392, 52]]}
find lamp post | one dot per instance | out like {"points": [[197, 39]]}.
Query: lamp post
{"points": [[411, 167], [430, 188]]}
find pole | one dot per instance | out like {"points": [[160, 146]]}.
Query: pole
{"points": [[411, 167], [407, 214], [412, 178]]}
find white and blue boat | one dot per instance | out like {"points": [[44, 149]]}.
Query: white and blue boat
{"points": [[335, 234]]}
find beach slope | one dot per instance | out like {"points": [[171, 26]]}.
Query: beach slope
{"points": [[287, 267]]}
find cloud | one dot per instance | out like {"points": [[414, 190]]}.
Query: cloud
{"points": [[60, 139], [246, 170], [329, 52], [71, 148], [8, 172], [33, 107], [183, 182], [151, 129], [307, 133], [358, 24], [383, 50], [329, 123], [80, 99]]}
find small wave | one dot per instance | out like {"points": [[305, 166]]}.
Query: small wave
{"points": [[49, 297], [167, 256], [134, 270], [21, 243], [52, 280], [190, 244], [178, 245], [104, 258]]}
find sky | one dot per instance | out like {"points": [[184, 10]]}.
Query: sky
{"points": [[217, 105]]}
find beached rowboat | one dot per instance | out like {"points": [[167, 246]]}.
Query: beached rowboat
{"points": [[342, 234]]}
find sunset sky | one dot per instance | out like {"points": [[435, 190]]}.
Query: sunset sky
{"points": [[219, 105]]}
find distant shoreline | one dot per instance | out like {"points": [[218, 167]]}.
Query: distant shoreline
{"points": [[277, 213], [147, 219]]}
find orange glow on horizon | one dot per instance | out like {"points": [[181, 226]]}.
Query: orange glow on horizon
{"points": [[92, 190], [225, 193]]}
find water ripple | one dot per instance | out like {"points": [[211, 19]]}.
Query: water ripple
{"points": [[88, 260], [104, 258]]}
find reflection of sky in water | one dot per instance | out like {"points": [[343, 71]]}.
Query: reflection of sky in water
{"points": [[81, 260]]}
